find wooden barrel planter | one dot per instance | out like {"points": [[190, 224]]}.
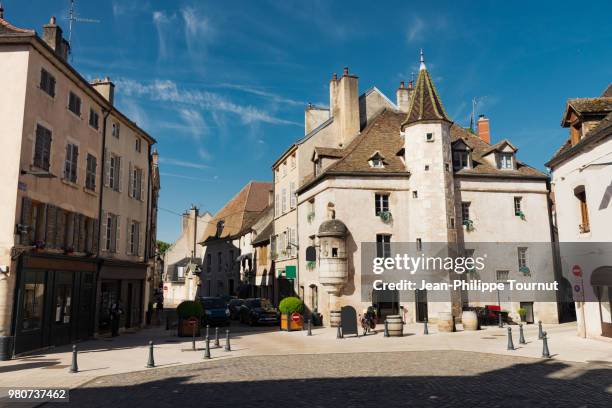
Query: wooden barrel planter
{"points": [[446, 322], [334, 318], [395, 325], [469, 318]]}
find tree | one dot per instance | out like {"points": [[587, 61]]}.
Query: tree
{"points": [[162, 247]]}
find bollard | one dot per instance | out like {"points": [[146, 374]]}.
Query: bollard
{"points": [[540, 332], [339, 333], [309, 328], [425, 329], [193, 330], [288, 322], [74, 367], [207, 349], [386, 328], [207, 327], [545, 351], [217, 345], [521, 335], [501, 322], [510, 342], [151, 362], [228, 347]]}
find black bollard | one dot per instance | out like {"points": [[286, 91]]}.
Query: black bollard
{"points": [[501, 322], [74, 367], [288, 322], [386, 328], [540, 332], [309, 328], [228, 347], [151, 362], [425, 328], [217, 345], [207, 349], [510, 342], [521, 335], [207, 327], [545, 351], [193, 330], [339, 333]]}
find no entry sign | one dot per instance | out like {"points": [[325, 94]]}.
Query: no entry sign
{"points": [[193, 321], [296, 317], [577, 271]]}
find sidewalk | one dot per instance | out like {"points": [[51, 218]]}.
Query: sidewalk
{"points": [[129, 352]]}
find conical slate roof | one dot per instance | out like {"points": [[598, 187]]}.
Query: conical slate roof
{"points": [[425, 104]]}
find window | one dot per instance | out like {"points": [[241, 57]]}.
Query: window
{"points": [[47, 82], [377, 161], [94, 119], [42, 148], [465, 210], [419, 244], [90, 176], [381, 203], [112, 228], [134, 239], [292, 196], [502, 276], [293, 161], [115, 130], [517, 206], [115, 172], [136, 183], [208, 263], [70, 165], [460, 159], [427, 167], [580, 194], [383, 246], [284, 200], [522, 257], [415, 194], [74, 104], [284, 169], [451, 221], [429, 137], [505, 161], [276, 205], [33, 297], [220, 225], [138, 146]]}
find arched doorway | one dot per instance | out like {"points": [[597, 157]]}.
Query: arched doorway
{"points": [[386, 302], [601, 280]]}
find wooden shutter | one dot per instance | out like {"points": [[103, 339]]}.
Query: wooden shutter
{"points": [[95, 243], [82, 233], [38, 147], [26, 218], [61, 229], [131, 181], [106, 168], [141, 240], [103, 230], [119, 171], [128, 246], [142, 185], [75, 163], [51, 233], [117, 232]]}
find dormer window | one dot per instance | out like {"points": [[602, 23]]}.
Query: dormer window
{"points": [[461, 159], [506, 161], [377, 161]]}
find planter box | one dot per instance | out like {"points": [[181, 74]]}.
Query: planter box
{"points": [[186, 330], [292, 325]]}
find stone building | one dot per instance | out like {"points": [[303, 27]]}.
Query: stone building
{"points": [[54, 124], [383, 174], [226, 235], [581, 179]]}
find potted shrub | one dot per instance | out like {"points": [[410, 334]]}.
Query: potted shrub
{"points": [[386, 216], [287, 307], [523, 314], [187, 310]]}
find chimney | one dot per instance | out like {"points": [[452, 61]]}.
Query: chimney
{"points": [[403, 96], [1, 11], [52, 35], [313, 117], [483, 129], [155, 158], [333, 93], [345, 108], [106, 88]]}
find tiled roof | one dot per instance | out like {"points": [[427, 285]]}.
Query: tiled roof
{"points": [[328, 151], [591, 105], [241, 212], [7, 28], [481, 148], [264, 236], [425, 103], [498, 146]]}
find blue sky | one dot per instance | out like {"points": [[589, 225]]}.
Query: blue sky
{"points": [[222, 85]]}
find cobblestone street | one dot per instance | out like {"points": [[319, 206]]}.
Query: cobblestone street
{"points": [[429, 378]]}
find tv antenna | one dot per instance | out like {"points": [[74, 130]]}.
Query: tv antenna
{"points": [[74, 18], [475, 101]]}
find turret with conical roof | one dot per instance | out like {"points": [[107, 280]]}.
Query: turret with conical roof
{"points": [[426, 104]]}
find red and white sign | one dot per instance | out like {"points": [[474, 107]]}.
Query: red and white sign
{"points": [[296, 317], [193, 321], [165, 288], [577, 271]]}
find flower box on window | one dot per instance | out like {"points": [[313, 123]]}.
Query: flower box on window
{"points": [[520, 214], [310, 217], [469, 225], [386, 216], [311, 265], [525, 271]]}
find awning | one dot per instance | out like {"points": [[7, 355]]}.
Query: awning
{"points": [[602, 276]]}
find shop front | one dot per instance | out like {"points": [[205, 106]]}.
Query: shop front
{"points": [[55, 301], [121, 287]]}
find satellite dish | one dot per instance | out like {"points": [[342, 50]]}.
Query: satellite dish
{"points": [[311, 254]]}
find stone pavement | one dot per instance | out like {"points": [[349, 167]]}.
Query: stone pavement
{"points": [[417, 378], [128, 352]]}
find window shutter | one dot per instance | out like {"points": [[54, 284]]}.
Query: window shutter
{"points": [[95, 236], [141, 241], [119, 174], [131, 181], [128, 237], [41, 228], [51, 233], [117, 232], [70, 221], [106, 169], [38, 147], [103, 230], [60, 238], [75, 163], [142, 186], [26, 217], [83, 233]]}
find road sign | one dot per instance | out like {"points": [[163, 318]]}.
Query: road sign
{"points": [[296, 317], [577, 288], [165, 288], [193, 321], [577, 271]]}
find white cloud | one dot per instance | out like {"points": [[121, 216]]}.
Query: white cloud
{"points": [[415, 32], [198, 29], [183, 176], [266, 94], [182, 163], [204, 154], [194, 122], [162, 21], [168, 91]]}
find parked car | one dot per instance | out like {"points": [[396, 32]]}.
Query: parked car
{"points": [[234, 308], [258, 311], [216, 312]]}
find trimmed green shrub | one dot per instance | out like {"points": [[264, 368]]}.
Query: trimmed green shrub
{"points": [[189, 308], [291, 305]]}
